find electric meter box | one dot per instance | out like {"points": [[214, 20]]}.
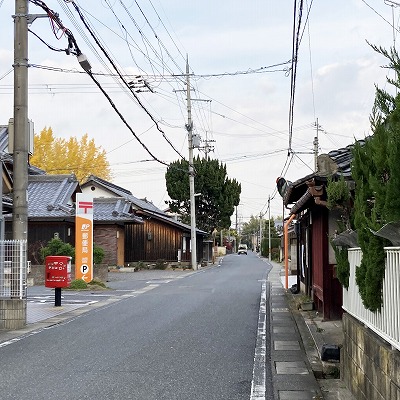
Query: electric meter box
{"points": [[58, 271]]}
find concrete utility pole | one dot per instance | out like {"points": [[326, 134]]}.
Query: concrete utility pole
{"points": [[189, 128], [315, 143], [259, 244], [21, 145], [393, 4], [269, 229]]}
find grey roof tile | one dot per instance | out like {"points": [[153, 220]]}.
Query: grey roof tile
{"points": [[143, 205], [341, 160], [114, 209], [51, 196]]}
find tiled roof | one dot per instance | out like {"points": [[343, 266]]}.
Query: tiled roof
{"points": [[144, 206], [50, 196], [114, 209], [3, 139], [8, 158], [336, 163], [342, 159]]}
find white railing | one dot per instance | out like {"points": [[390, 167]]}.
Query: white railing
{"points": [[385, 323], [13, 269]]}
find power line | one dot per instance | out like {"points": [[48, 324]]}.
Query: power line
{"points": [[295, 53], [161, 77], [74, 49], [121, 77], [380, 15], [155, 34], [159, 18], [310, 58]]}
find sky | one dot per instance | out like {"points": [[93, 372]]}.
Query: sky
{"points": [[240, 77]]}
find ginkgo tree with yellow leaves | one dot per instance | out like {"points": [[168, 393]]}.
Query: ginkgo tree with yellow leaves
{"points": [[61, 156]]}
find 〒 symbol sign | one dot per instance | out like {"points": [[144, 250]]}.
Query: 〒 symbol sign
{"points": [[84, 237]]}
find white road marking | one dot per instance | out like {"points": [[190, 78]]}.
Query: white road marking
{"points": [[259, 369]]}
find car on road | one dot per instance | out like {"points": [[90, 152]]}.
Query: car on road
{"points": [[242, 249]]}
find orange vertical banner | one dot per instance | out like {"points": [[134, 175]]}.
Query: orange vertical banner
{"points": [[84, 237]]}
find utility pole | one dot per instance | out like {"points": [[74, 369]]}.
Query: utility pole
{"points": [[260, 233], [21, 145], [393, 4], [315, 143], [269, 229], [189, 128]]}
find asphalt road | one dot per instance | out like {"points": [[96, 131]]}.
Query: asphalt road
{"points": [[191, 336]]}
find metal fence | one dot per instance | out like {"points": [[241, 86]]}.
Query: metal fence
{"points": [[13, 269], [385, 323]]}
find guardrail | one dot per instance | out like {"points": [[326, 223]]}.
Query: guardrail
{"points": [[385, 323]]}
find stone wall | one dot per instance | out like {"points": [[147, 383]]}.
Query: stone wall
{"points": [[370, 367], [36, 276]]}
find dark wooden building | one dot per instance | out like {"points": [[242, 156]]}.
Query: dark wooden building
{"points": [[315, 225], [51, 214], [159, 237]]}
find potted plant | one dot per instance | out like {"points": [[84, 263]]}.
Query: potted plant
{"points": [[306, 303]]}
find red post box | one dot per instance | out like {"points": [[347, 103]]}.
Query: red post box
{"points": [[58, 271]]}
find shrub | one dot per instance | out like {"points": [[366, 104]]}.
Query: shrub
{"points": [[342, 265], [78, 284], [98, 254], [161, 264], [56, 247], [338, 193], [96, 283]]}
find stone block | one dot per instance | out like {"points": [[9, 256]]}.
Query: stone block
{"points": [[394, 391], [394, 367]]}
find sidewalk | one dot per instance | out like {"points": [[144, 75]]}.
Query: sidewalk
{"points": [[315, 378]]}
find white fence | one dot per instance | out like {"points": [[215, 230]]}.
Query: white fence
{"points": [[385, 323], [13, 269]]}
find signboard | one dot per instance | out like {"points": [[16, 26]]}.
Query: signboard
{"points": [[84, 237]]}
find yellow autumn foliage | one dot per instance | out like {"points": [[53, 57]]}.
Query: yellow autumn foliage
{"points": [[61, 156]]}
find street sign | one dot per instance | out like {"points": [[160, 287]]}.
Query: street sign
{"points": [[84, 237]]}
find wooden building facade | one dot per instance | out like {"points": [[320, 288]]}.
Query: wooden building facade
{"points": [[315, 227], [159, 237]]}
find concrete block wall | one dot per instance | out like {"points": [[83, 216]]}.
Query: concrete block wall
{"points": [[36, 276], [370, 367], [12, 314]]}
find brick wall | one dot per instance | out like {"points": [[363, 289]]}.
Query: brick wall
{"points": [[370, 367], [107, 238]]}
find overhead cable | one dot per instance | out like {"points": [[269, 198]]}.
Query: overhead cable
{"points": [[295, 54], [122, 77], [74, 49]]}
